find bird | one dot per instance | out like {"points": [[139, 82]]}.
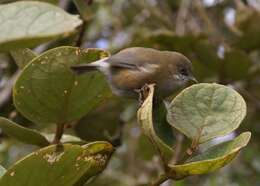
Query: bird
{"points": [[131, 68]]}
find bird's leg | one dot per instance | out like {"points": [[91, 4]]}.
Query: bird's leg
{"points": [[140, 99]]}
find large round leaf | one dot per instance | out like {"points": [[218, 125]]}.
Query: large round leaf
{"points": [[212, 159], [205, 111], [47, 91], [27, 24], [66, 165], [238, 60], [154, 126]]}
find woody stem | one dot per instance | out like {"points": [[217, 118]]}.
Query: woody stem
{"points": [[58, 133]]}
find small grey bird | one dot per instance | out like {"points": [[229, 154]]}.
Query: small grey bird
{"points": [[132, 68]]}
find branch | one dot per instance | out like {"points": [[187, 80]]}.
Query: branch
{"points": [[81, 34], [178, 148], [58, 133], [86, 15], [204, 16], [181, 17]]}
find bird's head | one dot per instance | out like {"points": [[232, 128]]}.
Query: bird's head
{"points": [[180, 68]]}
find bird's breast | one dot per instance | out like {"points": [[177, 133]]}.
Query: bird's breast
{"points": [[125, 82], [128, 79]]}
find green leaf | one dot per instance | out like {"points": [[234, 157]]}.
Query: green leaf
{"points": [[94, 126], [23, 56], [205, 111], [55, 2], [206, 62], [158, 132], [64, 165], [22, 134], [238, 60], [214, 158], [2, 171], [30, 23], [47, 91], [247, 20]]}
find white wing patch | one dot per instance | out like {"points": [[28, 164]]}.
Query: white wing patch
{"points": [[148, 68], [101, 63]]}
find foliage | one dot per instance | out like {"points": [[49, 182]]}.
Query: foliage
{"points": [[71, 165], [200, 113], [50, 86], [27, 24], [58, 118]]}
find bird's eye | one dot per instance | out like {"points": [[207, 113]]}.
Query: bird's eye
{"points": [[183, 72]]}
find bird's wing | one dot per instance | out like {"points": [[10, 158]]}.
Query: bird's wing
{"points": [[118, 61], [133, 58], [136, 64], [121, 64]]}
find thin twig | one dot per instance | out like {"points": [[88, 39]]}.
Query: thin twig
{"points": [[181, 17], [178, 149], [204, 16], [86, 15], [81, 34], [58, 133]]}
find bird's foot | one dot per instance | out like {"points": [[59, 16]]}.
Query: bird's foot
{"points": [[143, 93]]}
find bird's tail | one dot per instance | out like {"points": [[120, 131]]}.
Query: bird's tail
{"points": [[80, 69], [83, 68]]}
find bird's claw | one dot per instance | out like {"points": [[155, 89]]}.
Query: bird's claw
{"points": [[143, 93]]}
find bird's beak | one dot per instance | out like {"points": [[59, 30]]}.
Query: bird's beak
{"points": [[193, 79]]}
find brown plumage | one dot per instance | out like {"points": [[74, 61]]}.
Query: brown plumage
{"points": [[132, 68]]}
